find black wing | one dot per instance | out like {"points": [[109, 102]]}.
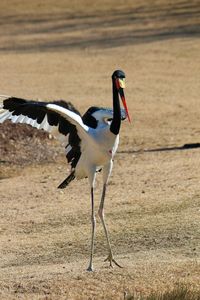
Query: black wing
{"points": [[36, 114]]}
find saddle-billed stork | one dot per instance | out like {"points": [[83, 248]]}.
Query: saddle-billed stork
{"points": [[90, 141]]}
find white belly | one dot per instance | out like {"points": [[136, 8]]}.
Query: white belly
{"points": [[98, 153]]}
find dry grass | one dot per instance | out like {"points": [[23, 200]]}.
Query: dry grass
{"points": [[178, 293], [64, 51]]}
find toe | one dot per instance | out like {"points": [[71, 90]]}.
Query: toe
{"points": [[90, 269]]}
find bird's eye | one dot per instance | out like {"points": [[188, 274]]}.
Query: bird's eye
{"points": [[107, 120]]}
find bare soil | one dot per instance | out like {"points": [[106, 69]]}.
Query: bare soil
{"points": [[68, 50]]}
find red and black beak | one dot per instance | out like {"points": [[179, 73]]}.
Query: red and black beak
{"points": [[120, 83]]}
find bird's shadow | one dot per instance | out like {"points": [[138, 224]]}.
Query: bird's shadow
{"points": [[164, 149]]}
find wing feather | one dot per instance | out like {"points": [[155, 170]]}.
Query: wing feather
{"points": [[71, 117], [37, 114], [60, 118]]}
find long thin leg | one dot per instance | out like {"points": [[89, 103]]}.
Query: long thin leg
{"points": [[110, 257], [93, 220]]}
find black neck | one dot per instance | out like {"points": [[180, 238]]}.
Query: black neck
{"points": [[116, 122]]}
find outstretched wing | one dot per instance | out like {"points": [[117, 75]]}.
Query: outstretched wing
{"points": [[60, 118], [36, 114]]}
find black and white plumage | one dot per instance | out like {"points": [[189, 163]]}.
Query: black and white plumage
{"points": [[90, 141]]}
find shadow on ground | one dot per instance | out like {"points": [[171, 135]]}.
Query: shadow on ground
{"points": [[164, 149], [60, 31]]}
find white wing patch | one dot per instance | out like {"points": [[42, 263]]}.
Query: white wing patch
{"points": [[70, 116], [73, 118], [68, 148], [7, 115]]}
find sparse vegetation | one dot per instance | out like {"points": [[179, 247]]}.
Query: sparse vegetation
{"points": [[178, 293]]}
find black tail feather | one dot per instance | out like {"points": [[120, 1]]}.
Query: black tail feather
{"points": [[67, 181]]}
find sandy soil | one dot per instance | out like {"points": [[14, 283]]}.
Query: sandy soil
{"points": [[69, 51]]}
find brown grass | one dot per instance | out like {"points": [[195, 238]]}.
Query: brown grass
{"points": [[65, 51], [178, 293]]}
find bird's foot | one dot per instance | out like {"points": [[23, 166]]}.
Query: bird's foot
{"points": [[90, 269], [111, 260]]}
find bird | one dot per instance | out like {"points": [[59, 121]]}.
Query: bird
{"points": [[90, 141]]}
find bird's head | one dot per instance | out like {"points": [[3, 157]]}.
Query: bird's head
{"points": [[118, 78]]}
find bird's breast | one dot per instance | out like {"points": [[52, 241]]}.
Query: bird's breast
{"points": [[96, 152], [104, 146]]}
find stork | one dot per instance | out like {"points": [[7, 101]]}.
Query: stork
{"points": [[90, 141]]}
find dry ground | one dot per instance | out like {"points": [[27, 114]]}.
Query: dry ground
{"points": [[68, 49]]}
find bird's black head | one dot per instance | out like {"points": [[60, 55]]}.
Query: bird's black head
{"points": [[118, 78], [118, 74]]}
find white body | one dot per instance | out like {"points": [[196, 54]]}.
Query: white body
{"points": [[97, 151]]}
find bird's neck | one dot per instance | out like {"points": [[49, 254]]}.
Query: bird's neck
{"points": [[116, 122]]}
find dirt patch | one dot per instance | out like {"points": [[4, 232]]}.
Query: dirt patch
{"points": [[23, 145]]}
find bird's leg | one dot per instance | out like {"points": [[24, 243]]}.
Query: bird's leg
{"points": [[90, 267], [110, 257]]}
